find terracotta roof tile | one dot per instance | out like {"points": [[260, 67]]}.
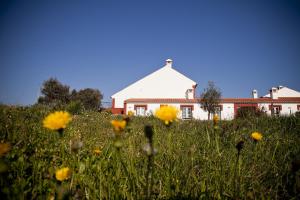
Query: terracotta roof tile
{"points": [[224, 100]]}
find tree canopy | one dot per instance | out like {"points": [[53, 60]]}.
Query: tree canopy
{"points": [[210, 98], [90, 98], [55, 93]]}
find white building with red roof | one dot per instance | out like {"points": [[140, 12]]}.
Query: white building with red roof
{"points": [[166, 86]]}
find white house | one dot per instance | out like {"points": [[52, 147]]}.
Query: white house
{"points": [[166, 86]]}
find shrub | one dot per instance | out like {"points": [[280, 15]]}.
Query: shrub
{"points": [[249, 112], [75, 107]]}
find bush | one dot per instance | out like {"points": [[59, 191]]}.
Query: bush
{"points": [[249, 112], [75, 107]]}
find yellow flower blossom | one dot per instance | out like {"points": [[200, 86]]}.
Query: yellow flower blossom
{"points": [[63, 174], [4, 148], [216, 119], [57, 120], [130, 113], [97, 151], [256, 136], [118, 125], [167, 114]]}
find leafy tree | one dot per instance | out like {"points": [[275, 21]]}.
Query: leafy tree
{"points": [[90, 98], [54, 92], [58, 95], [210, 98]]}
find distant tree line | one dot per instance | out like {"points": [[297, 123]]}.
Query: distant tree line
{"points": [[56, 94]]}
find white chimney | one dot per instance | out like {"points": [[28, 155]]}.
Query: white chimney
{"points": [[280, 87], [189, 94], [274, 93], [169, 62], [254, 94]]}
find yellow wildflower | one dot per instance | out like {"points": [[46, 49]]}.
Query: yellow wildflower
{"points": [[57, 120], [97, 151], [256, 136], [63, 174], [118, 125], [4, 148], [130, 113], [216, 119], [167, 114]]}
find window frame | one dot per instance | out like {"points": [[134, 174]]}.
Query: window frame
{"points": [[136, 107], [275, 109], [187, 115]]}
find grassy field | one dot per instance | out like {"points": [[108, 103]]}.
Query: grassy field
{"points": [[194, 160]]}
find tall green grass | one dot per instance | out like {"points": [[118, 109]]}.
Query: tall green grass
{"points": [[194, 160]]}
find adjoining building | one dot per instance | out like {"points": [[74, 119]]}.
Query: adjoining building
{"points": [[166, 86]]}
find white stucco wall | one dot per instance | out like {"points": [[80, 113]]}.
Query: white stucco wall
{"points": [[285, 92], [226, 114], [286, 108], [198, 113], [264, 107], [151, 107], [228, 111], [163, 83]]}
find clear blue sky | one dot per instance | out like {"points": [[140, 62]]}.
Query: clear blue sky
{"points": [[240, 45]]}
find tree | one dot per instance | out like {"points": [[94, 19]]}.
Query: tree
{"points": [[90, 98], [54, 92], [210, 98]]}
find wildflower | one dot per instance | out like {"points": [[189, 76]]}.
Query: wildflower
{"points": [[130, 113], [167, 114], [63, 174], [216, 119], [97, 151], [256, 136], [148, 150], [4, 148], [240, 145], [118, 126], [57, 120]]}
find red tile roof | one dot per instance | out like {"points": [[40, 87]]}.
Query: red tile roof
{"points": [[224, 100]]}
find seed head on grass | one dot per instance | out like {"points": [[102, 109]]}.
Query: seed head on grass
{"points": [[57, 121], [256, 136], [239, 146], [167, 114], [148, 132], [63, 174], [76, 145]]}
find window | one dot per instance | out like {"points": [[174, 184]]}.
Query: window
{"points": [[218, 110], [140, 110], [186, 111], [275, 109]]}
